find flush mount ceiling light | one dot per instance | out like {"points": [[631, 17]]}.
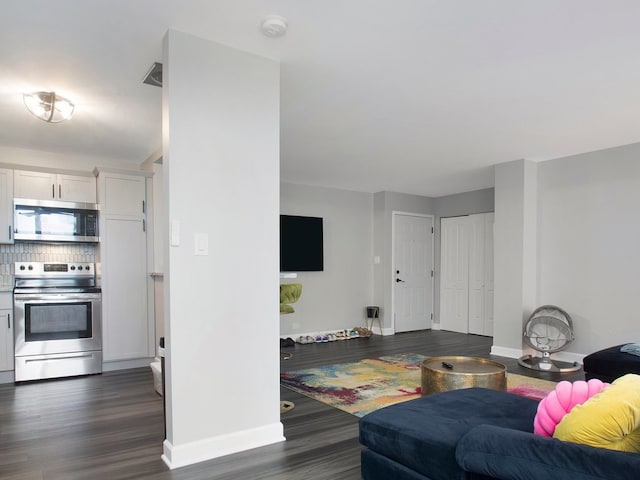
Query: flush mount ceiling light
{"points": [[48, 106], [274, 26]]}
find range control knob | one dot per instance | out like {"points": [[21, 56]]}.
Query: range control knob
{"points": [[30, 267], [22, 267], [87, 267], [79, 267], [72, 268]]}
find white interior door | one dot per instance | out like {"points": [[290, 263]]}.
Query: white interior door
{"points": [[413, 272], [454, 276]]}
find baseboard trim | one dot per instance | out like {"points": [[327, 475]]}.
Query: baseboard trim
{"points": [[7, 377], [214, 447], [126, 364], [506, 352], [568, 357]]}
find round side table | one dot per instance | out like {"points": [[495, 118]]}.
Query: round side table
{"points": [[444, 373]]}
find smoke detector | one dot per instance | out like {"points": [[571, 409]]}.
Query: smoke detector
{"points": [[274, 26]]}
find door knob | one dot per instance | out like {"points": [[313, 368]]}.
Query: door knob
{"points": [[398, 280]]}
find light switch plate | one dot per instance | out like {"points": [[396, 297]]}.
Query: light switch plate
{"points": [[201, 244]]}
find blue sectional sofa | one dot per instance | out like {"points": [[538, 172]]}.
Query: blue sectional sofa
{"points": [[477, 434], [610, 363]]}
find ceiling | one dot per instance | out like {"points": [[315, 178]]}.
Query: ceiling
{"points": [[412, 96]]}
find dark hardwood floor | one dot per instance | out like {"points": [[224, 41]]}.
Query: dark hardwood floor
{"points": [[110, 426]]}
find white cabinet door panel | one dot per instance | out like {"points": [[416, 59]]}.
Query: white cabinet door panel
{"points": [[6, 331], [73, 188], [123, 195], [128, 328], [52, 186], [124, 290], [34, 185]]}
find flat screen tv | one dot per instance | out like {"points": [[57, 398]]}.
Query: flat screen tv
{"points": [[301, 245]]}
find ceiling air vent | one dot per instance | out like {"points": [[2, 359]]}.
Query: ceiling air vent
{"points": [[154, 75]]}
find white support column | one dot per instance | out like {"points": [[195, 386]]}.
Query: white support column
{"points": [[515, 259], [221, 188]]}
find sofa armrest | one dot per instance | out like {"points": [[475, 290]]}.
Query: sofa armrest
{"points": [[508, 454]]}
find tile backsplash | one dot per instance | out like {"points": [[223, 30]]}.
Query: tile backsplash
{"points": [[42, 252]]}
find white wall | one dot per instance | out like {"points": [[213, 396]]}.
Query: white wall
{"points": [[567, 234], [357, 227], [221, 172], [385, 204], [513, 217], [335, 298], [589, 243], [25, 157]]}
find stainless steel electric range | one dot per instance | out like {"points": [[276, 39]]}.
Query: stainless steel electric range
{"points": [[58, 320]]}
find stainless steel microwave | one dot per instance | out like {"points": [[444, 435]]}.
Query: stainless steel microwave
{"points": [[52, 221]]}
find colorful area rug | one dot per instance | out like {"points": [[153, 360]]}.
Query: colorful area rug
{"points": [[362, 387]]}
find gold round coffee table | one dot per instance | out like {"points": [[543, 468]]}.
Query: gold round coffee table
{"points": [[441, 374]]}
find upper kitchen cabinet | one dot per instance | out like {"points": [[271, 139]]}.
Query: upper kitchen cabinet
{"points": [[122, 194], [54, 186], [6, 205]]}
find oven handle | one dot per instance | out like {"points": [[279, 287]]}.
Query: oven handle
{"points": [[63, 356], [56, 297]]}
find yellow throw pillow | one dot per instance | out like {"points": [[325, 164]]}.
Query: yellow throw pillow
{"points": [[610, 419]]}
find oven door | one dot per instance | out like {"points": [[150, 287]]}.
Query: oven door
{"points": [[47, 323]]}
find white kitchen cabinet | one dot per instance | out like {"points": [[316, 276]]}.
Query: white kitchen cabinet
{"points": [[6, 331], [54, 186], [6, 205], [76, 188], [123, 194], [127, 323]]}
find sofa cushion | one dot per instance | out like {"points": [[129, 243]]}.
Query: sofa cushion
{"points": [[422, 434], [610, 419], [610, 363], [510, 454]]}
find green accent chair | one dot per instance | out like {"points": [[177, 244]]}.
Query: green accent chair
{"points": [[289, 293]]}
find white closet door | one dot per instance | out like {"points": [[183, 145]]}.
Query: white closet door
{"points": [[454, 277], [476, 273], [466, 288]]}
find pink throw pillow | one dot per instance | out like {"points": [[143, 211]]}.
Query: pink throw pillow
{"points": [[560, 401]]}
